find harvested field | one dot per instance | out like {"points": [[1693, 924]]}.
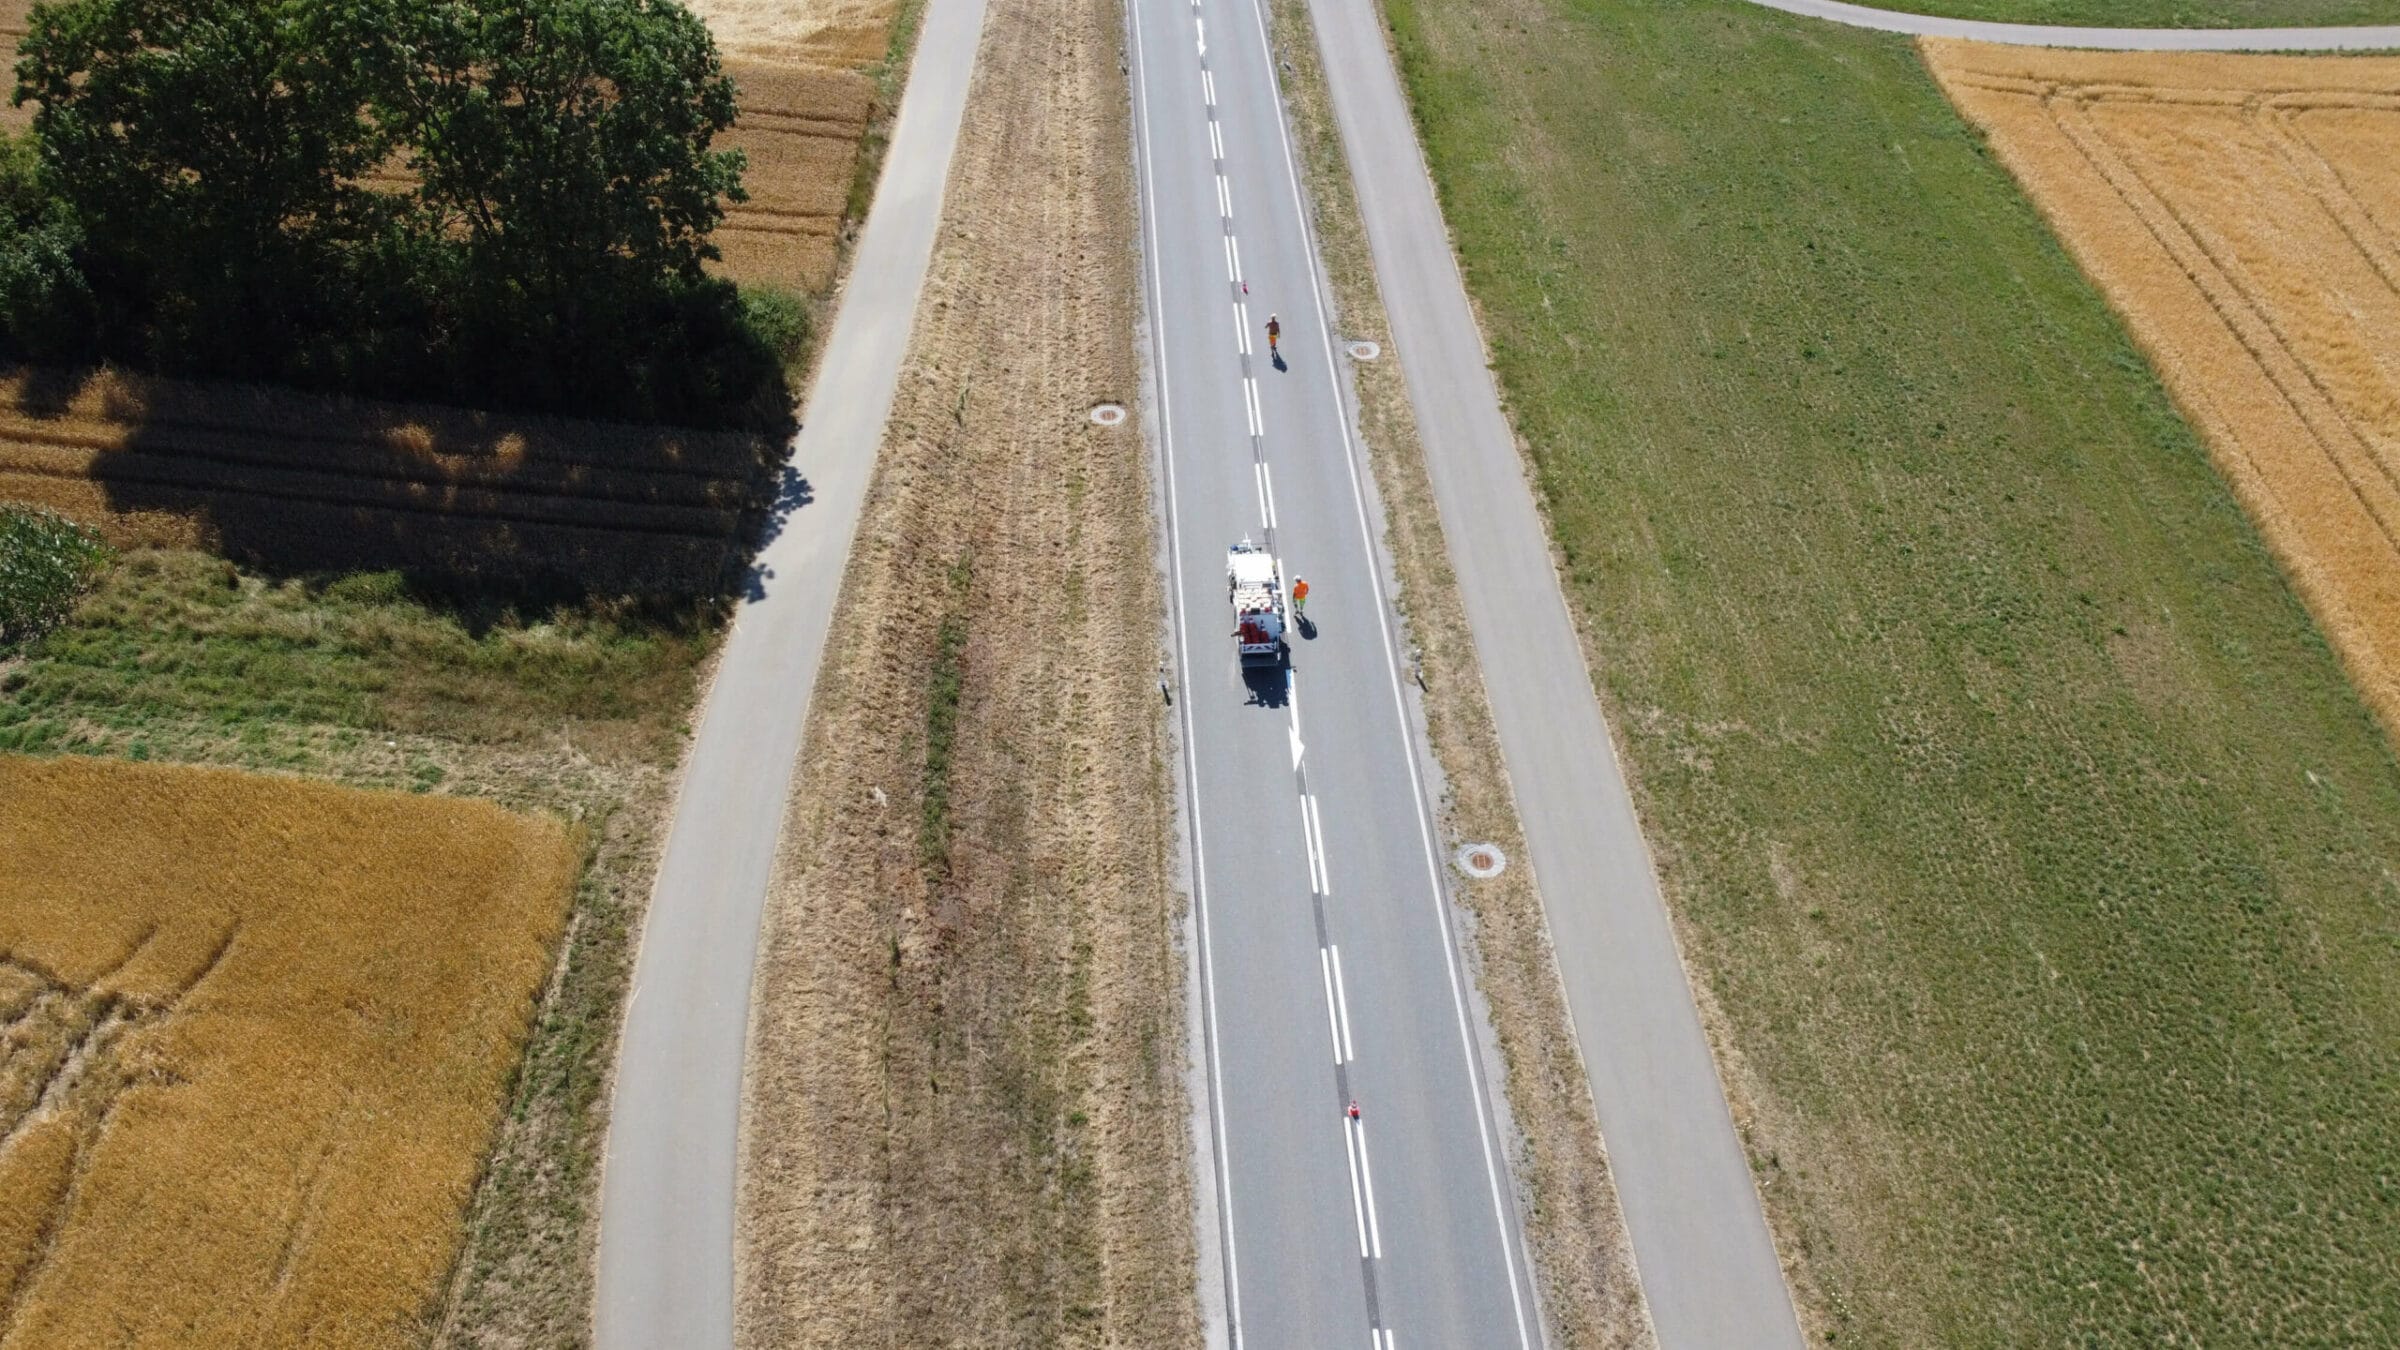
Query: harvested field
{"points": [[292, 482], [257, 1032], [964, 1119], [833, 34], [801, 127], [2242, 213]]}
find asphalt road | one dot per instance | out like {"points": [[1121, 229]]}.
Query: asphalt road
{"points": [[1328, 970], [1708, 1267], [2114, 39], [667, 1193]]}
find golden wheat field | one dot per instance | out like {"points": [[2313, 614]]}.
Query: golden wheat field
{"points": [[2242, 213], [254, 1034]]}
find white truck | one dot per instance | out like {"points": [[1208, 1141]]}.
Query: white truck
{"points": [[1255, 586]]}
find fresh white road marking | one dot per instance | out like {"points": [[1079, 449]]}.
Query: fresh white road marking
{"points": [[1216, 140], [1241, 326], [1202, 26], [1366, 1170], [1208, 88], [1224, 198], [1312, 827], [1237, 256], [1358, 1202], [1266, 485], [1233, 270], [1341, 1000], [1333, 1018], [1258, 423], [1297, 748]]}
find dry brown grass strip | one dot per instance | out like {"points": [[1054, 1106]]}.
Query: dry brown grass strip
{"points": [[257, 1034], [965, 1117], [2239, 212]]}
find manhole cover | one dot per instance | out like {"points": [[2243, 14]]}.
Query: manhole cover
{"points": [[1365, 351], [1108, 414], [1481, 860]]}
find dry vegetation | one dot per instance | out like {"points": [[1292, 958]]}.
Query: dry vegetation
{"points": [[965, 1122], [2243, 214], [256, 1036], [290, 482], [1591, 1293]]}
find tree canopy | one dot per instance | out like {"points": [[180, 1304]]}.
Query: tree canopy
{"points": [[496, 201]]}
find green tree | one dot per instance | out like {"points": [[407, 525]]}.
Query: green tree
{"points": [[567, 141], [213, 153]]}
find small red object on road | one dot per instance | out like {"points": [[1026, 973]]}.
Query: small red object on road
{"points": [[1354, 1110]]}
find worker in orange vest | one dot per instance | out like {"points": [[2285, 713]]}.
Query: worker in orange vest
{"points": [[1299, 595]]}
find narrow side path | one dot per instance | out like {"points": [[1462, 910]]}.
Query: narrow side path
{"points": [[667, 1193], [2384, 36]]}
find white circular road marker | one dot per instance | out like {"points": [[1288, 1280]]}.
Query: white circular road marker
{"points": [[1482, 861]]}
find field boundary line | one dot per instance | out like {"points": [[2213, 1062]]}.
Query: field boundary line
{"points": [[2374, 37]]}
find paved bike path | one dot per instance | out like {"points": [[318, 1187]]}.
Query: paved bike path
{"points": [[667, 1192], [2384, 36]]}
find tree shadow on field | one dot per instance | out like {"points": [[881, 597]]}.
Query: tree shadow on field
{"points": [[476, 510]]}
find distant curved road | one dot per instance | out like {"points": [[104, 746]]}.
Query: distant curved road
{"points": [[2384, 36]]}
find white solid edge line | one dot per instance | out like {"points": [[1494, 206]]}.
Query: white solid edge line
{"points": [[1358, 1204], [1316, 822], [1366, 1169], [1458, 1002], [1341, 999], [1183, 654], [1333, 1021]]}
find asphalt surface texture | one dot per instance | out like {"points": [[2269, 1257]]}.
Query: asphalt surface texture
{"points": [[1328, 970], [667, 1191], [1708, 1267], [2382, 37]]}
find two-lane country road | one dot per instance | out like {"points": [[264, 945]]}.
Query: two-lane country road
{"points": [[1328, 971]]}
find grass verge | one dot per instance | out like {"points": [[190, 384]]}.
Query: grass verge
{"points": [[1591, 1295], [182, 657], [2030, 850], [964, 1118]]}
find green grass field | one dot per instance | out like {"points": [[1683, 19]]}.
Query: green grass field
{"points": [[2020, 823], [2161, 13]]}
